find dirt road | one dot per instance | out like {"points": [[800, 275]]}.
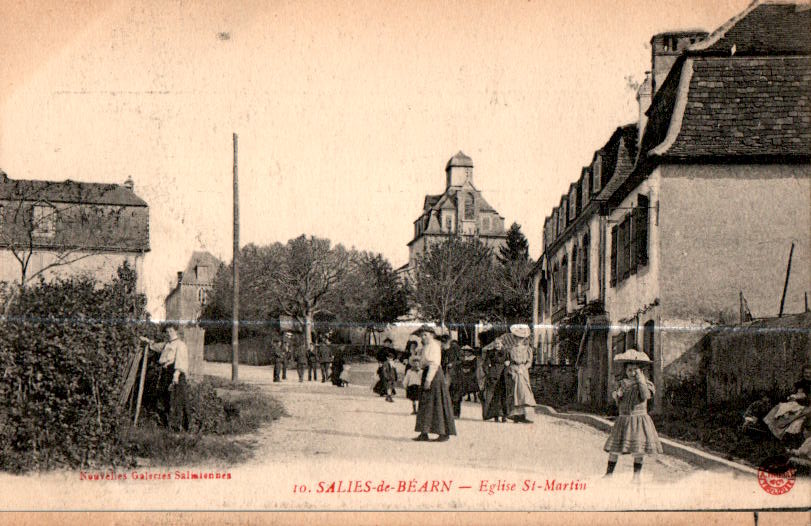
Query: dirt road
{"points": [[346, 448]]}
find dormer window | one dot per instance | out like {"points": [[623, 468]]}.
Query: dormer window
{"points": [[597, 171]]}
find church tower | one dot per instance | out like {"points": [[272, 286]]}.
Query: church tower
{"points": [[458, 170]]}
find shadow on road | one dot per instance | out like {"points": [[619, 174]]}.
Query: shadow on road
{"points": [[404, 440]]}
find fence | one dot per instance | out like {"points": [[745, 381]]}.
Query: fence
{"points": [[554, 385], [765, 355]]}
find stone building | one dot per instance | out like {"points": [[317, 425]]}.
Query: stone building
{"points": [[67, 228], [194, 285], [716, 195], [460, 209]]}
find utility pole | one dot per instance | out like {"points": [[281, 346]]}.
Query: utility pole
{"points": [[235, 316]]}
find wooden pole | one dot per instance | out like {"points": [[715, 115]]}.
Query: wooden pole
{"points": [[141, 385], [235, 316], [785, 286]]}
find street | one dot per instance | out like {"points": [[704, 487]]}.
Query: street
{"points": [[341, 447]]}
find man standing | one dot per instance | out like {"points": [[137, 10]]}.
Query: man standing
{"points": [[287, 353], [277, 352], [172, 383], [312, 363], [299, 355], [324, 353]]}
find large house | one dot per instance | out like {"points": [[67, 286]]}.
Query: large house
{"points": [[63, 228], [460, 209], [704, 217], [194, 285]]}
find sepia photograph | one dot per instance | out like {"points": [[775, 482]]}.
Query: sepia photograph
{"points": [[485, 256]]}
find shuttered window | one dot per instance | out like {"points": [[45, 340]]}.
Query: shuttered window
{"points": [[585, 265], [614, 239], [632, 262], [626, 247], [642, 229], [575, 269]]}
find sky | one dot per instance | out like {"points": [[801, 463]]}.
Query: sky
{"points": [[346, 111]]}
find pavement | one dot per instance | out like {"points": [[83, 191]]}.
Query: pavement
{"points": [[346, 448]]}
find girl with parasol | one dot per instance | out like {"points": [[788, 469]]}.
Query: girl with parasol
{"points": [[633, 432]]}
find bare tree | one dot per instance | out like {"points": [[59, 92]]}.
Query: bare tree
{"points": [[305, 277], [453, 281], [63, 232]]}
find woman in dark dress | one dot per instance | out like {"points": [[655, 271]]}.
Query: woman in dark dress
{"points": [[495, 402], [435, 414], [338, 367]]}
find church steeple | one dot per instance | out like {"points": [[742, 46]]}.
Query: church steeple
{"points": [[458, 170]]}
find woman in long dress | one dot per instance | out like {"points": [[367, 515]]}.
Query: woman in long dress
{"points": [[520, 357], [435, 414], [494, 389]]}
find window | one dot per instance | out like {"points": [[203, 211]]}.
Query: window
{"points": [[618, 343], [470, 211], [630, 238], [585, 264], [43, 220], [648, 338], [614, 239], [575, 269], [448, 223], [643, 203], [630, 339], [564, 274], [597, 169], [202, 296], [202, 272], [554, 287]]}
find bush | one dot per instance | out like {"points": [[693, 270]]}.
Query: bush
{"points": [[218, 410], [64, 349]]}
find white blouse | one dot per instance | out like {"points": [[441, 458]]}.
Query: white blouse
{"points": [[432, 359]]}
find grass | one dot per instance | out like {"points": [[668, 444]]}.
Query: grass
{"points": [[223, 417]]}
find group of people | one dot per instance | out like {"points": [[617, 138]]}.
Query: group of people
{"points": [[287, 349], [439, 374]]}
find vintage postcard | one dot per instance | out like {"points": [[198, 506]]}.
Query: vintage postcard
{"points": [[547, 256]]}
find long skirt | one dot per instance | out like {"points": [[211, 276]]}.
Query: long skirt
{"points": [[435, 414], [494, 398], [633, 434]]}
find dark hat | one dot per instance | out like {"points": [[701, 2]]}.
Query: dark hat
{"points": [[426, 328]]}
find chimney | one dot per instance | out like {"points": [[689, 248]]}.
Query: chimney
{"points": [[643, 97], [179, 276], [666, 48], [129, 184]]}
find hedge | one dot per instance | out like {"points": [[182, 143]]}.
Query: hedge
{"points": [[64, 348]]}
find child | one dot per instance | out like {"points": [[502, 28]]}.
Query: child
{"points": [[633, 432], [413, 378], [389, 377]]}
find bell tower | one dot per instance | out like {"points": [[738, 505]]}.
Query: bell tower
{"points": [[458, 170]]}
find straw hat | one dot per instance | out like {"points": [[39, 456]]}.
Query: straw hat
{"points": [[520, 330], [632, 356]]}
